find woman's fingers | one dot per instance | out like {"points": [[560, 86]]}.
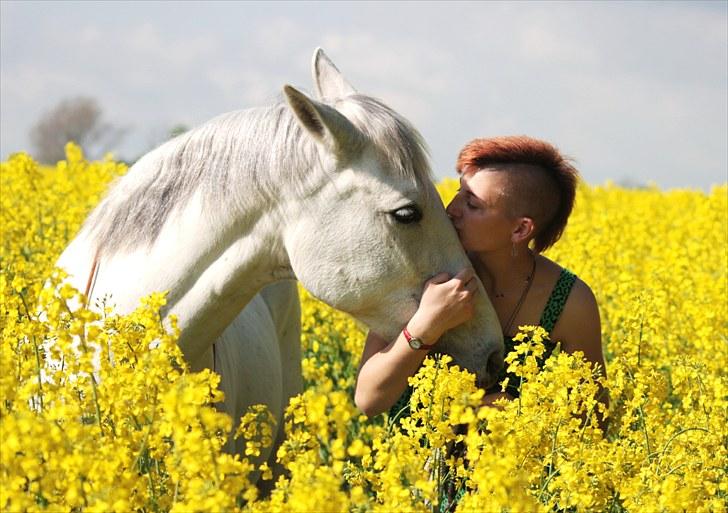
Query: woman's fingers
{"points": [[465, 278], [456, 292], [447, 301], [468, 282], [439, 278], [465, 275], [472, 285]]}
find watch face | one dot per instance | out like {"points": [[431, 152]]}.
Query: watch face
{"points": [[415, 343]]}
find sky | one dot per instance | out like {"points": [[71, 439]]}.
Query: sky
{"points": [[634, 92]]}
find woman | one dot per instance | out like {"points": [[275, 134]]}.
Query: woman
{"points": [[515, 197]]}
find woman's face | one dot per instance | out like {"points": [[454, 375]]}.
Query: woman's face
{"points": [[479, 214]]}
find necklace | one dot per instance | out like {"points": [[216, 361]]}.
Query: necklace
{"points": [[529, 280]]}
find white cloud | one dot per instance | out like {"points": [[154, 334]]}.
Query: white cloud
{"points": [[181, 52], [244, 87], [548, 44]]}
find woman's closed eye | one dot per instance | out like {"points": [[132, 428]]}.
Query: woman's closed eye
{"points": [[468, 194]]}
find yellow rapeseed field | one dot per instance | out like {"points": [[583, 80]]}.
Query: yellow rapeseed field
{"points": [[140, 432]]}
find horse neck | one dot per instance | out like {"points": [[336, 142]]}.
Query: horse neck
{"points": [[205, 237], [214, 249], [209, 268]]}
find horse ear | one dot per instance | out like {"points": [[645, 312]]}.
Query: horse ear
{"points": [[327, 125], [330, 83]]}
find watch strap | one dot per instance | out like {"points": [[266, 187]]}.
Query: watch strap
{"points": [[408, 336]]}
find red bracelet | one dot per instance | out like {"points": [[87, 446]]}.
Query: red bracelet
{"points": [[415, 342]]}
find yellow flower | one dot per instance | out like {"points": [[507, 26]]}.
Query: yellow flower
{"points": [[94, 419]]}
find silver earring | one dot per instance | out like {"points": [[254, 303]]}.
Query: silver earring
{"points": [[514, 251]]}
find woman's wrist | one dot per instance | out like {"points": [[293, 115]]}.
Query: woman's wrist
{"points": [[422, 330]]}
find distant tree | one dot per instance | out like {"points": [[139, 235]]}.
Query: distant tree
{"points": [[73, 119], [178, 130], [629, 182]]}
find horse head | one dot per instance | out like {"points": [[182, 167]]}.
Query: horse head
{"points": [[368, 227]]}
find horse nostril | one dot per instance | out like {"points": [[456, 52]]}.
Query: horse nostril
{"points": [[495, 362], [493, 368]]}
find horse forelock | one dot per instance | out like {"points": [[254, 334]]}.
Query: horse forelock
{"points": [[236, 160], [399, 144]]}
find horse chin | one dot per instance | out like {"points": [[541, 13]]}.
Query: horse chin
{"points": [[494, 367], [487, 369]]}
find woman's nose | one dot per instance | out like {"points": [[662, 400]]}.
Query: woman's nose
{"points": [[452, 209]]}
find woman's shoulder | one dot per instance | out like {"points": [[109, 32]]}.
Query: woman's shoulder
{"points": [[581, 304], [578, 327], [580, 290], [549, 270], [582, 293], [581, 300]]}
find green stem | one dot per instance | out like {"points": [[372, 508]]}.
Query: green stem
{"points": [[94, 391], [137, 460], [643, 422], [552, 464], [639, 341], [664, 449], [37, 353], [176, 493], [432, 397], [644, 431]]}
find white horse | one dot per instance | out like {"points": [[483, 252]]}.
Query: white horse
{"points": [[334, 192]]}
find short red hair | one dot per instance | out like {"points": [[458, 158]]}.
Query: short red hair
{"points": [[543, 180]]}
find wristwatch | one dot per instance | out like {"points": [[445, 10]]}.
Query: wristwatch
{"points": [[416, 343]]}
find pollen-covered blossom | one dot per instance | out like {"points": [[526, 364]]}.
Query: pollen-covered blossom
{"points": [[100, 412]]}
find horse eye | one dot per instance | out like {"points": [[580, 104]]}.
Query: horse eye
{"points": [[407, 215]]}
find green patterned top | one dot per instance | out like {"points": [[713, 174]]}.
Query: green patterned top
{"points": [[549, 317], [551, 313]]}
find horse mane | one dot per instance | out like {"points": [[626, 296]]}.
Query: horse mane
{"points": [[259, 146], [398, 142]]}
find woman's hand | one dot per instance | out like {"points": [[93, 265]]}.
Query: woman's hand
{"points": [[446, 302], [386, 365]]}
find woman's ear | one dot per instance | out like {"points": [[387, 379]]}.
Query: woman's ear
{"points": [[524, 230]]}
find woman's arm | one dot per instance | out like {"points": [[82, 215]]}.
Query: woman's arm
{"points": [[385, 366], [383, 371], [579, 329]]}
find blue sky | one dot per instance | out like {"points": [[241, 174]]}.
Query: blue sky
{"points": [[635, 92]]}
